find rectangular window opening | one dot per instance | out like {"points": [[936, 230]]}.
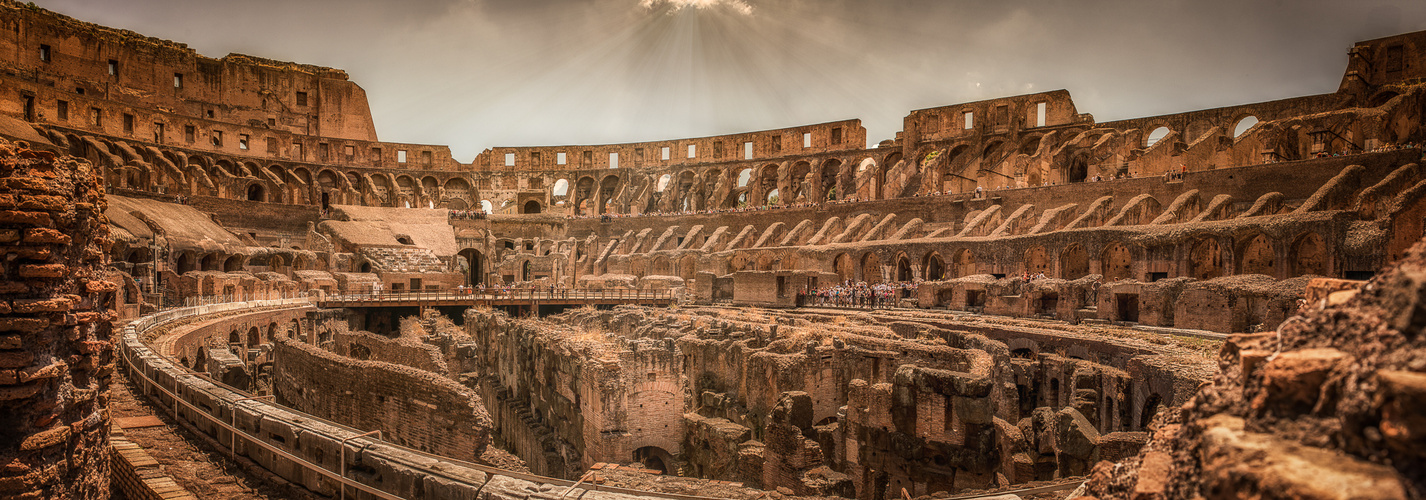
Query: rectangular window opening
{"points": [[376, 155], [806, 140], [748, 150], [242, 142], [324, 151], [349, 151], [717, 149], [509, 159], [560, 158], [969, 117], [301, 98], [400, 156], [45, 53], [113, 68], [837, 136], [97, 117], [692, 150], [158, 129], [665, 153], [588, 158], [776, 144], [298, 151], [128, 123], [178, 80], [613, 160], [271, 145], [217, 138], [426, 157], [189, 133], [1040, 114]]}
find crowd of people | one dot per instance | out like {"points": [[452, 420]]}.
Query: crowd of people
{"points": [[465, 214], [716, 211], [859, 294]]}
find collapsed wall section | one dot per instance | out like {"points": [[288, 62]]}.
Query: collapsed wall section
{"points": [[56, 356]]}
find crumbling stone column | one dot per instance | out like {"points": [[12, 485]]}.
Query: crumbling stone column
{"points": [[55, 352]]}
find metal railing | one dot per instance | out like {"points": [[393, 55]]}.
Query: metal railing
{"points": [[492, 296], [196, 383]]}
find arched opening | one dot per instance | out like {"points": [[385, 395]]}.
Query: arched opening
{"points": [[1258, 257], [1308, 256], [1244, 125], [532, 207], [1117, 262], [1054, 393], [935, 268], [1157, 135], [1205, 261], [525, 271], [234, 338], [561, 187], [871, 268], [365, 267], [963, 264], [1078, 169], [253, 337], [653, 458], [1035, 261], [842, 265], [211, 262], [903, 269], [256, 193], [1074, 263], [472, 262], [184, 263], [233, 264], [271, 331]]}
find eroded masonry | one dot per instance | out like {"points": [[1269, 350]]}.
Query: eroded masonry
{"points": [[1007, 292]]}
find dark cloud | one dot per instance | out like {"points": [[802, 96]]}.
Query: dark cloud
{"points": [[479, 73]]}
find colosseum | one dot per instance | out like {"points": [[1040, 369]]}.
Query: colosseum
{"points": [[219, 283]]}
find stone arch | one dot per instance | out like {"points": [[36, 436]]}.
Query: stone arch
{"points": [[903, 268], [1036, 260], [256, 192], [871, 268], [608, 187], [842, 265], [661, 266], [765, 261], [233, 263], [531, 207], [831, 170], [1074, 262], [797, 188], [1156, 134], [1116, 262], [1243, 124], [963, 263], [688, 267], [1309, 256], [1257, 256], [933, 267], [458, 194], [1205, 259]]}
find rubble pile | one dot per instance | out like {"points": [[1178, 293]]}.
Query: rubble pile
{"points": [[1333, 405]]}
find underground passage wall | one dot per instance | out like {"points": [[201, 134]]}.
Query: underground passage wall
{"points": [[860, 405]]}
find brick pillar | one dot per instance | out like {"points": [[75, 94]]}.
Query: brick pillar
{"points": [[55, 352]]}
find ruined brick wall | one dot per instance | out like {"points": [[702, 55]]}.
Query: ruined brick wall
{"points": [[410, 407], [369, 346], [56, 355]]}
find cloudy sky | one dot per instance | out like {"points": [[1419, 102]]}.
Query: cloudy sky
{"points": [[479, 73]]}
